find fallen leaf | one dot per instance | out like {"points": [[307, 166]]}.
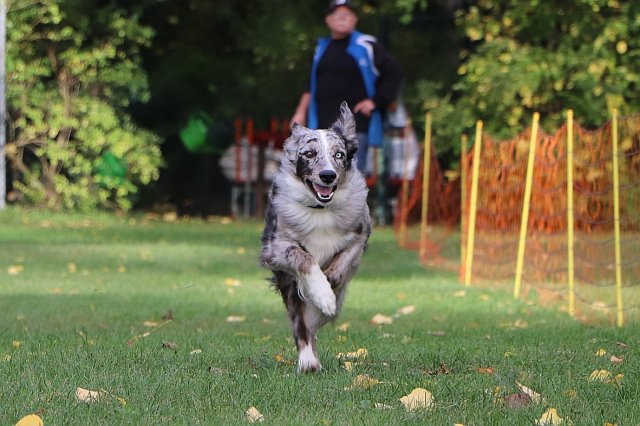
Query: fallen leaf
{"points": [[362, 381], [436, 371], [122, 269], [343, 327], [348, 365], [419, 398], [622, 345], [232, 282], [535, 396], [599, 375], [617, 379], [195, 352], [150, 324], [170, 345], [134, 339], [460, 293], [407, 310], [517, 400], [617, 359], [601, 352], [72, 268], [16, 344], [30, 420], [360, 353], [236, 318], [15, 269], [381, 406], [550, 418], [87, 396], [253, 415], [486, 370], [380, 319]]}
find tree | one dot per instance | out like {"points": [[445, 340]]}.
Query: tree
{"points": [[531, 55], [72, 69]]}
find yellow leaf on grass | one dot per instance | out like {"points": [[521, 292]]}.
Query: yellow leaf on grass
{"points": [[380, 319], [360, 353], [30, 420], [72, 267], [407, 310], [236, 318], [343, 327], [150, 324], [601, 352], [617, 379], [419, 398], [232, 282], [15, 269], [87, 396], [16, 344], [550, 418], [460, 293], [253, 415], [599, 376], [535, 397], [348, 365], [362, 381]]}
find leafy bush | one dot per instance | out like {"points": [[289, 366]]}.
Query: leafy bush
{"points": [[71, 73]]}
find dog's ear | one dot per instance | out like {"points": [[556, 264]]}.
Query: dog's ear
{"points": [[291, 144], [345, 126]]}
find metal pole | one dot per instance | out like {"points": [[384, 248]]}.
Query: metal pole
{"points": [[3, 106]]}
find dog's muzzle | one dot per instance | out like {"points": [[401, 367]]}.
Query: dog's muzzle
{"points": [[324, 191]]}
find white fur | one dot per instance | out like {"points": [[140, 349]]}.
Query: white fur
{"points": [[315, 288], [307, 360]]}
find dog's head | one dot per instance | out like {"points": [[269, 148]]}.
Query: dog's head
{"points": [[321, 159]]}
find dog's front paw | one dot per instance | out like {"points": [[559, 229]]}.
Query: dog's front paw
{"points": [[318, 291]]}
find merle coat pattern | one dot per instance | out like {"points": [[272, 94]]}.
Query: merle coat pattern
{"points": [[316, 228]]}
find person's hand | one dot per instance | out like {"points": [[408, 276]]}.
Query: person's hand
{"points": [[298, 117], [364, 107]]}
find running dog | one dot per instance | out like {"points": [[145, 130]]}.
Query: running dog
{"points": [[316, 228]]}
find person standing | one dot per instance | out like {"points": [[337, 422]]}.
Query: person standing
{"points": [[349, 66]]}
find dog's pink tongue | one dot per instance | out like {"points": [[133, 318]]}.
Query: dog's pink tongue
{"points": [[325, 191]]}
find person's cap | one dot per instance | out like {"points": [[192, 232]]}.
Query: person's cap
{"points": [[334, 4]]}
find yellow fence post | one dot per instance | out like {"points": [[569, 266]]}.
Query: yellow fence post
{"points": [[570, 240], [473, 203], [463, 198], [426, 174], [616, 215], [525, 205]]}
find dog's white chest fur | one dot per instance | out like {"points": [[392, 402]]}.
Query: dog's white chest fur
{"points": [[324, 242]]}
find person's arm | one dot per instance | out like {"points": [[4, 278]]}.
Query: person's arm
{"points": [[389, 80], [300, 115]]}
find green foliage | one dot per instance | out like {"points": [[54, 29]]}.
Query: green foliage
{"points": [[72, 69], [527, 56]]}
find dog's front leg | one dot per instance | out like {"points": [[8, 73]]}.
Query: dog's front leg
{"points": [[313, 286]]}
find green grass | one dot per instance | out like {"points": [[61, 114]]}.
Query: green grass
{"points": [[85, 285]]}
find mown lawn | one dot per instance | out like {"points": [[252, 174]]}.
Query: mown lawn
{"points": [[174, 322]]}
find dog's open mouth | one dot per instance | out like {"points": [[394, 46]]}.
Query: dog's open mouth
{"points": [[324, 194]]}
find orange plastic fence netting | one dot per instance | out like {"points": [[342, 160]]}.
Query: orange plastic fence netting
{"points": [[443, 212], [500, 197]]}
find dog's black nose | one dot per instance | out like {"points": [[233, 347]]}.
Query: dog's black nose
{"points": [[327, 176]]}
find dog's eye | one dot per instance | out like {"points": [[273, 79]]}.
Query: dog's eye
{"points": [[309, 154], [339, 155]]}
